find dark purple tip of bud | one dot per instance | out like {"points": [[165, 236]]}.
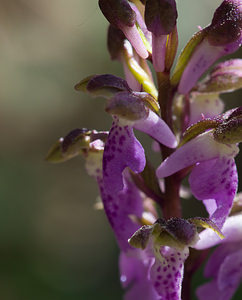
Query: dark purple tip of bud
{"points": [[115, 42], [226, 26], [236, 113], [107, 81], [118, 12], [160, 16], [71, 137]]}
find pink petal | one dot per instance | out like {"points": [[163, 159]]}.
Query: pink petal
{"points": [[154, 126], [199, 149], [232, 231]]}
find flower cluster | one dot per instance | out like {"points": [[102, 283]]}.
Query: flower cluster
{"points": [[185, 117]]}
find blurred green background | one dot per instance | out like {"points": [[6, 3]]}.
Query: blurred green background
{"points": [[53, 244]]}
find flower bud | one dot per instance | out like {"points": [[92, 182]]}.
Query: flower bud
{"points": [[225, 77], [223, 36], [160, 16], [226, 26], [118, 12], [115, 42], [121, 15], [160, 19]]}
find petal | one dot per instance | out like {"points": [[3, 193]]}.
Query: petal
{"points": [[118, 208], [217, 258], [159, 52], [132, 34], [230, 272], [225, 77], [132, 82], [134, 275], [232, 231], [167, 274], [218, 180], [227, 270], [122, 150], [154, 126], [208, 291], [201, 148], [203, 57]]}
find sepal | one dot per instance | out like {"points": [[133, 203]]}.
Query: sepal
{"points": [[69, 146], [127, 106], [229, 132], [105, 85]]}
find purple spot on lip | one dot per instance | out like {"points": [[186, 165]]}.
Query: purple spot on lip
{"points": [[165, 282]]}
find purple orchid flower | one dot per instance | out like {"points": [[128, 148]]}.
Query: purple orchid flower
{"points": [[225, 263], [213, 179], [122, 149], [168, 243]]}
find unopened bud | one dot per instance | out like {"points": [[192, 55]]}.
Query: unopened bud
{"points": [[160, 19], [226, 26], [160, 16], [115, 42], [222, 37], [118, 12]]}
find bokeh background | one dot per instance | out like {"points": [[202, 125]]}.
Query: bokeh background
{"points": [[53, 244]]}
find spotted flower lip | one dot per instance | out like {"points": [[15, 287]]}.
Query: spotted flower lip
{"points": [[213, 42]]}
